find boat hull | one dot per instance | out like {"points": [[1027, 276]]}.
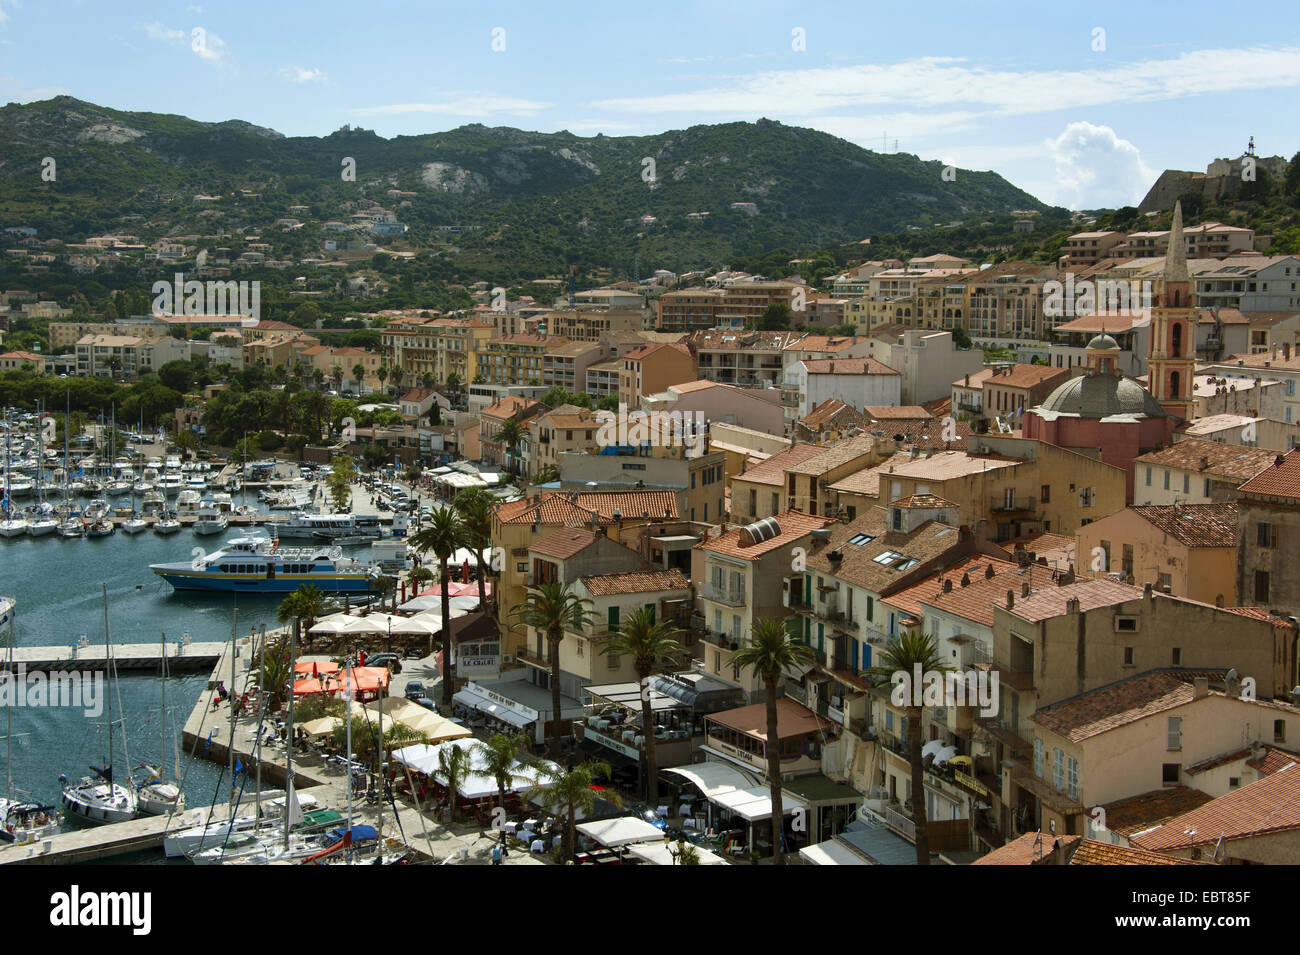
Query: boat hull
{"points": [[345, 584]]}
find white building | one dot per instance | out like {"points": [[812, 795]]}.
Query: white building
{"points": [[855, 381], [928, 362]]}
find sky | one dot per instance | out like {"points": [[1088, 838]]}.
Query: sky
{"points": [[1082, 105]]}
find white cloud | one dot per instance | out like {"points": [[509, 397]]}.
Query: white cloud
{"points": [[301, 75], [203, 43], [4, 14], [950, 82], [465, 104], [1094, 167], [194, 8]]}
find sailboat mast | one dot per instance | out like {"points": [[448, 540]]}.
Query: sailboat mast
{"points": [[162, 759], [290, 798], [261, 675], [234, 625], [9, 721], [108, 667], [347, 696]]}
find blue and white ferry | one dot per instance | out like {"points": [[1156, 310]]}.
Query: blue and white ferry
{"points": [[259, 565]]}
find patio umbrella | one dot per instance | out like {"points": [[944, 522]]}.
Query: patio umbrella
{"points": [[335, 623], [315, 667], [371, 623], [308, 687], [358, 680]]}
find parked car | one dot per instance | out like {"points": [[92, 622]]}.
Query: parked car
{"points": [[414, 689], [423, 701]]}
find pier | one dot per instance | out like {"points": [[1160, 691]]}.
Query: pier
{"points": [[128, 657]]}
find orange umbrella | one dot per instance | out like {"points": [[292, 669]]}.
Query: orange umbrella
{"points": [[308, 687], [315, 667], [359, 680]]}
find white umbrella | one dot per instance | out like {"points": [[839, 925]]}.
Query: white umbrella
{"points": [[335, 623], [434, 602], [367, 624]]}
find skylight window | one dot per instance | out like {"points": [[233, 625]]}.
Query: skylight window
{"points": [[887, 557], [860, 539]]}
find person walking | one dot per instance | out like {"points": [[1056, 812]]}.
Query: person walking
{"points": [[496, 854]]}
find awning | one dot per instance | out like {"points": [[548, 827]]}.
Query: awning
{"points": [[477, 784], [713, 779], [660, 853], [754, 804], [622, 831], [491, 708], [728, 787], [830, 852]]}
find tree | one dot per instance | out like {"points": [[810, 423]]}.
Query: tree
{"points": [[549, 608], [339, 482], [427, 381], [359, 373], [186, 440], [476, 505], [317, 377], [304, 607], [114, 365], [650, 643], [444, 534], [336, 375], [382, 375], [569, 792], [905, 654], [776, 317], [768, 655], [500, 757], [961, 338], [454, 765], [177, 375], [511, 434]]}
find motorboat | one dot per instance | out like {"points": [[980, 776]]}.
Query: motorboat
{"points": [[27, 822], [153, 505], [13, 526], [259, 565], [188, 503], [327, 526], [42, 526], [72, 528], [210, 521]]}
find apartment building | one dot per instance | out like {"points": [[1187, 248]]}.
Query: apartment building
{"points": [[566, 367], [928, 362], [437, 346], [1196, 471], [1009, 391], [1088, 248], [563, 429], [132, 355], [746, 359], [1251, 283], [651, 369], [515, 359], [592, 324], [734, 306], [855, 381], [1275, 365], [758, 409], [1268, 534]]}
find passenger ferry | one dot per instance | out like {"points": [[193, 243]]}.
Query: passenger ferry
{"points": [[322, 526], [260, 565]]}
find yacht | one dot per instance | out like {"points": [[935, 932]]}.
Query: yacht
{"points": [[98, 799], [20, 487], [326, 526], [183, 842], [153, 505], [166, 524], [197, 482], [117, 488], [27, 822], [14, 526], [259, 565], [72, 527], [100, 528], [42, 525], [188, 503], [210, 521], [134, 524], [159, 798], [171, 482]]}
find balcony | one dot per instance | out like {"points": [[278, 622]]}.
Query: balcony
{"points": [[724, 595], [1013, 503]]}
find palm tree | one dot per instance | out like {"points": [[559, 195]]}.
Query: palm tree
{"points": [[339, 482], [769, 654], [569, 791], [905, 654], [549, 608], [444, 534], [511, 434], [186, 440], [304, 607], [317, 377], [475, 506], [382, 375], [359, 373], [501, 756], [649, 643], [336, 374], [453, 763]]}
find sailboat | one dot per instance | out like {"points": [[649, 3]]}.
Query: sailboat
{"points": [[11, 525], [23, 821], [97, 799], [69, 526], [158, 797], [42, 523]]}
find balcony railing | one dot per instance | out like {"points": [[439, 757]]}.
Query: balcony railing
{"points": [[1013, 503], [724, 595], [900, 824]]}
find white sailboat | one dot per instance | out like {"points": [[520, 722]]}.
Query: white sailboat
{"points": [[11, 525], [98, 799], [42, 523], [21, 821], [156, 795]]}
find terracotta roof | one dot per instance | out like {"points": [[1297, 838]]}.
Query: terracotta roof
{"points": [[1230, 461], [1196, 525], [1261, 360], [1214, 762], [865, 482], [1093, 852], [1110, 324], [823, 343], [847, 366], [943, 465], [631, 505], [609, 585], [509, 406], [792, 719], [686, 387], [922, 501], [1033, 848], [645, 351], [857, 564], [835, 455], [974, 381], [772, 470], [1271, 804], [1272, 760], [975, 600], [892, 412], [553, 509], [564, 544], [795, 525], [1119, 704], [1276, 480], [829, 411], [1050, 602], [1027, 376], [1228, 316], [1135, 814], [1056, 550]]}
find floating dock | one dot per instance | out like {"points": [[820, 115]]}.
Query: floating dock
{"points": [[126, 658]]}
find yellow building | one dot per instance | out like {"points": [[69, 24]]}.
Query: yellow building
{"points": [[515, 359], [1188, 550], [437, 346]]}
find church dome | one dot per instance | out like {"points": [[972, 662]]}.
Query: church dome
{"points": [[1100, 396], [1103, 342]]}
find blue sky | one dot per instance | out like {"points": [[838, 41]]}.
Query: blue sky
{"points": [[1032, 90]]}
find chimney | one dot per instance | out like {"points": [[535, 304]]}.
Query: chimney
{"points": [[1200, 687], [1205, 462], [947, 586], [1279, 460], [1147, 590], [1011, 599], [1024, 588], [989, 572], [965, 580]]}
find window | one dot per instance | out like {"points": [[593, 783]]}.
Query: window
{"points": [[1148, 475], [1128, 656], [897, 518], [1045, 494], [1175, 729], [1166, 479], [1038, 758], [1072, 777], [1167, 583], [1264, 534], [1128, 624], [613, 618], [1234, 782], [1187, 483], [1279, 731], [1058, 769], [1177, 657], [1171, 773], [613, 660], [1261, 586]]}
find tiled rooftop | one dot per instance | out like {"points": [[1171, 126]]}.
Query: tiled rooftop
{"points": [[1136, 814], [609, 585], [1230, 461], [1268, 805], [795, 525], [1274, 479], [1196, 525]]}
